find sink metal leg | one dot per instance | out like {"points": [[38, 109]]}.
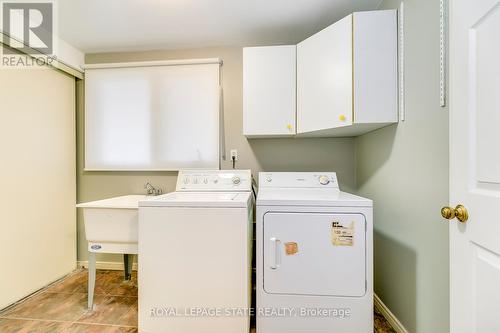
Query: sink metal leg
{"points": [[91, 280], [128, 261]]}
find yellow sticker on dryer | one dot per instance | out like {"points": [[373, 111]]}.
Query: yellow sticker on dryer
{"points": [[342, 235]]}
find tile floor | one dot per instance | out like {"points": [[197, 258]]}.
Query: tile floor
{"points": [[61, 307]]}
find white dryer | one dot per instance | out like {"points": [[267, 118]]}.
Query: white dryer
{"points": [[314, 255], [195, 252]]}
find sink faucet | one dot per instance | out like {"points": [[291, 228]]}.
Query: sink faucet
{"points": [[151, 190]]}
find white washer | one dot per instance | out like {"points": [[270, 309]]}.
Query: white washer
{"points": [[314, 256], [195, 251]]}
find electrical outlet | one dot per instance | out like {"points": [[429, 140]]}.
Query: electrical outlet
{"points": [[234, 153]]}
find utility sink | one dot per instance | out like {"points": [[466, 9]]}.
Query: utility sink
{"points": [[111, 225]]}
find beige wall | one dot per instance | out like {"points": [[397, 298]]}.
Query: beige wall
{"points": [[37, 180], [256, 154], [404, 169]]}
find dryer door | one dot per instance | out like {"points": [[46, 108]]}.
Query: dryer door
{"points": [[315, 254]]}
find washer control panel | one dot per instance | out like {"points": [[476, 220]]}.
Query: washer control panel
{"points": [[298, 180], [214, 180]]}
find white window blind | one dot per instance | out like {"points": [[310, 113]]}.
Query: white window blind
{"points": [[152, 117]]}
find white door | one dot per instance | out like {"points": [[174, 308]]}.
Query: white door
{"points": [[475, 165], [320, 254]]}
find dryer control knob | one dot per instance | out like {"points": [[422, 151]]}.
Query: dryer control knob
{"points": [[323, 180], [236, 180]]}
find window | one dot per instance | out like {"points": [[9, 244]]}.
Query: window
{"points": [[156, 117]]}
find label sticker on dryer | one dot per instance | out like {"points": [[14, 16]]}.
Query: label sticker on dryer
{"points": [[342, 235]]}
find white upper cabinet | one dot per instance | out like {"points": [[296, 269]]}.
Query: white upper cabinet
{"points": [[269, 91], [341, 81], [347, 76], [324, 78]]}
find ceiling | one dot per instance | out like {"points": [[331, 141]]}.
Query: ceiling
{"points": [[133, 25]]}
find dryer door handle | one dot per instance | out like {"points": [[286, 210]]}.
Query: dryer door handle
{"points": [[274, 252]]}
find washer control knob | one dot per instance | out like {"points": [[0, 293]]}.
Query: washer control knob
{"points": [[269, 179], [236, 180], [324, 180], [205, 181], [186, 180]]}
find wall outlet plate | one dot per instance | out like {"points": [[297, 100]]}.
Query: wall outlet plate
{"points": [[234, 153]]}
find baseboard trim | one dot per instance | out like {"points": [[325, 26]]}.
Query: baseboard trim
{"points": [[109, 265], [388, 315]]}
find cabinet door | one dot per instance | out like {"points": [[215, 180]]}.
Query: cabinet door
{"points": [[325, 78], [269, 85]]}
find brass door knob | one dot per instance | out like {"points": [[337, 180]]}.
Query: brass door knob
{"points": [[460, 212]]}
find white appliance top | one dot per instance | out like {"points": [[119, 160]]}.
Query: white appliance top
{"points": [[323, 180], [207, 188], [320, 189], [310, 197], [200, 199], [214, 181]]}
